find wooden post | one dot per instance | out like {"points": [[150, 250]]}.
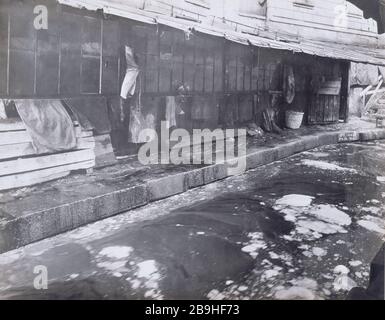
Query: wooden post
{"points": [[204, 68], [171, 62], [35, 64], [236, 69], [158, 75], [213, 82], [8, 49], [101, 55], [224, 65], [144, 72], [183, 59], [60, 55], [345, 90], [194, 61], [119, 82]]}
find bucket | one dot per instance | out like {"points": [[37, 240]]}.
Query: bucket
{"points": [[294, 119]]}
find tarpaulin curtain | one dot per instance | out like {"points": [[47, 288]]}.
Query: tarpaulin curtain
{"points": [[49, 125], [363, 74]]}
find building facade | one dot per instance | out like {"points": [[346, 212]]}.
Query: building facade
{"points": [[331, 20], [202, 64]]}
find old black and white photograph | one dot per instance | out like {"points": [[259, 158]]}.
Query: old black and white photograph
{"points": [[192, 150]]}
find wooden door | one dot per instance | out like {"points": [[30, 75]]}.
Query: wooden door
{"points": [[325, 103]]}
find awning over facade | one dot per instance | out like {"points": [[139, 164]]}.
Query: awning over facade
{"points": [[331, 50], [116, 8]]}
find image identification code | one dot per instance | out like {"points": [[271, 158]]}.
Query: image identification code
{"points": [[194, 310], [214, 309]]}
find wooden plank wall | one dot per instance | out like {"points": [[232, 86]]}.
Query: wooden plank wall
{"points": [[20, 166], [76, 55], [324, 109], [320, 19]]}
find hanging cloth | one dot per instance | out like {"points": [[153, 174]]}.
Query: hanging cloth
{"points": [[363, 74], [138, 121], [3, 113], [49, 125], [136, 124], [171, 109], [289, 84], [132, 72]]}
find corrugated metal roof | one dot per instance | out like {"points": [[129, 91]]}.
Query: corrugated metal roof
{"points": [[321, 49]]}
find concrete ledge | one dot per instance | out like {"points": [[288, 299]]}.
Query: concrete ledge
{"points": [[287, 150], [214, 173], [310, 142], [369, 135], [43, 224], [260, 158], [350, 136], [195, 179], [167, 187], [206, 175], [35, 226], [328, 138]]}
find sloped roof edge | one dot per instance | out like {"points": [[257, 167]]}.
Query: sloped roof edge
{"points": [[321, 49]]}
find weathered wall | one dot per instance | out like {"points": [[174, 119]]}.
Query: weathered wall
{"points": [[374, 9], [313, 19], [322, 20], [226, 83], [64, 60]]}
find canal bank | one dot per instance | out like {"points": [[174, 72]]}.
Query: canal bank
{"points": [[32, 214], [307, 227]]}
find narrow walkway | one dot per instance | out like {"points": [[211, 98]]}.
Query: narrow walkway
{"points": [[34, 213]]}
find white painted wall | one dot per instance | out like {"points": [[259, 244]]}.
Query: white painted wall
{"points": [[332, 20]]}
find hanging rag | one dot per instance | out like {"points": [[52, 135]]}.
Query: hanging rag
{"points": [[382, 71], [363, 74], [171, 109], [139, 121], [132, 72], [49, 125], [180, 105], [3, 113], [136, 121], [197, 109], [289, 84]]}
